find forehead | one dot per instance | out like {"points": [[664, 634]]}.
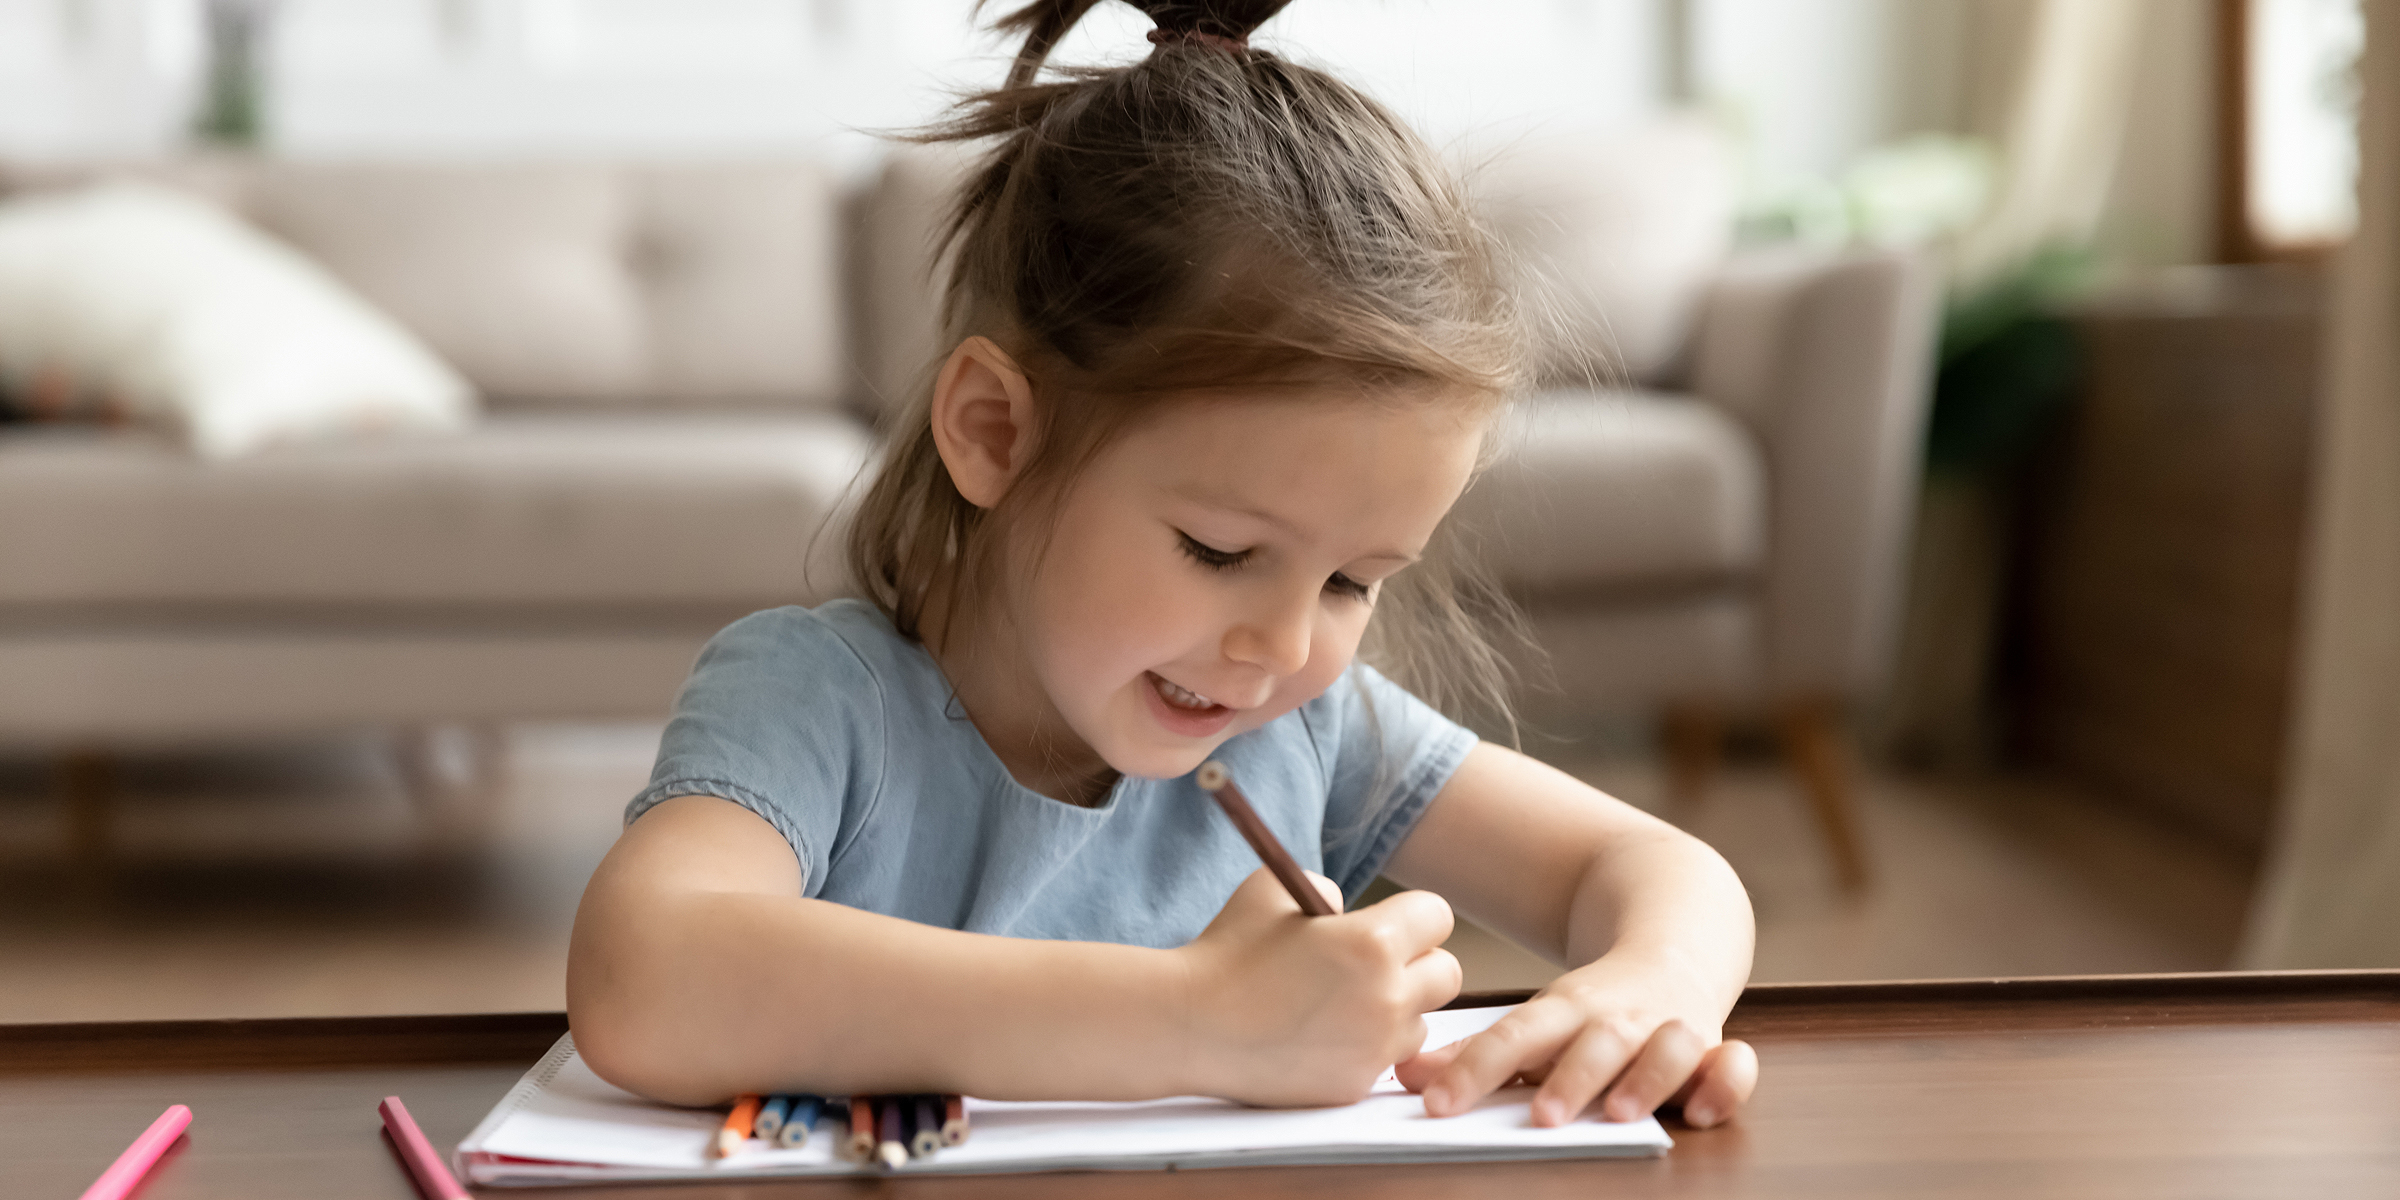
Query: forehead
{"points": [[1309, 461]]}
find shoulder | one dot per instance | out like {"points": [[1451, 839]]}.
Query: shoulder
{"points": [[1366, 717], [842, 636], [842, 650]]}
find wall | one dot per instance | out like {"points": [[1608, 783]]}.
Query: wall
{"points": [[1808, 83], [700, 77]]}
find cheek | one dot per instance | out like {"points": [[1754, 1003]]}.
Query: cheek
{"points": [[1104, 603], [1332, 648]]}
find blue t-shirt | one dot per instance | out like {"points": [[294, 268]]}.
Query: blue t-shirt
{"points": [[846, 738]]}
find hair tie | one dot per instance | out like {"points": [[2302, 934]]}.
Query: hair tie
{"points": [[1231, 45]]}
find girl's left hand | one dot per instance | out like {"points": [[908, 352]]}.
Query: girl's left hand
{"points": [[1631, 1029]]}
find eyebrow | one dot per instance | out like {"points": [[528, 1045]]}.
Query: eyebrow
{"points": [[1263, 516]]}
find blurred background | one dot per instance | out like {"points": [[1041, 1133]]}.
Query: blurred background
{"points": [[1981, 530]]}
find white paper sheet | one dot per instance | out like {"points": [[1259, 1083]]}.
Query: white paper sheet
{"points": [[563, 1124]]}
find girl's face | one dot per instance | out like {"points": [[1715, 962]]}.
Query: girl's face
{"points": [[1214, 568]]}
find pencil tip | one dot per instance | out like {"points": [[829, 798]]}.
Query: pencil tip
{"points": [[1212, 775]]}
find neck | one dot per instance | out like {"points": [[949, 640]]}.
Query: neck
{"points": [[979, 652]]}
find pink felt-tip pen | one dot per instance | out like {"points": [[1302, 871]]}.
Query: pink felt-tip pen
{"points": [[432, 1177], [121, 1176]]}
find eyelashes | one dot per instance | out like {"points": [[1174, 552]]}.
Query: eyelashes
{"points": [[1342, 585], [1229, 560], [1211, 557]]}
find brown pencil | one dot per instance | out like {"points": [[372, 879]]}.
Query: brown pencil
{"points": [[862, 1128], [1217, 781], [954, 1122]]}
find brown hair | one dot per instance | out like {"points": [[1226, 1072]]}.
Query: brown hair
{"points": [[1211, 219]]}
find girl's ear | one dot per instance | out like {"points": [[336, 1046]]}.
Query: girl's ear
{"points": [[982, 420]]}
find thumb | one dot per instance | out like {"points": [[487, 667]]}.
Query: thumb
{"points": [[1325, 887], [1259, 898]]}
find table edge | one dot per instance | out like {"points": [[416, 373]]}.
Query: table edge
{"points": [[520, 1037]]}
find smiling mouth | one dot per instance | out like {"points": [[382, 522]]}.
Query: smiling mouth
{"points": [[1181, 697]]}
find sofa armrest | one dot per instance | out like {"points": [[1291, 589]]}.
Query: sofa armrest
{"points": [[1828, 357]]}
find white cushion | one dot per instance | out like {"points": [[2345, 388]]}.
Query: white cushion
{"points": [[1621, 491], [1618, 236], [183, 315], [713, 510]]}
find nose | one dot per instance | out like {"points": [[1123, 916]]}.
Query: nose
{"points": [[1274, 635]]}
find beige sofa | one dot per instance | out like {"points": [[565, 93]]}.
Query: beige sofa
{"points": [[682, 365]]}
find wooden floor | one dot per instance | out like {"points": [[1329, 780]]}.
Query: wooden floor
{"points": [[300, 882]]}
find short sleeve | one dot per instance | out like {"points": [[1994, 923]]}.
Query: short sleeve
{"points": [[782, 717], [1386, 755]]}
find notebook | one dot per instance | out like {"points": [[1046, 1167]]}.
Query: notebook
{"points": [[562, 1124]]}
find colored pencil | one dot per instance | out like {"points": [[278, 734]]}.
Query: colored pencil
{"points": [[770, 1118], [1215, 779], [736, 1129], [123, 1175], [891, 1145], [417, 1154], [800, 1121], [954, 1120], [862, 1127], [925, 1136]]}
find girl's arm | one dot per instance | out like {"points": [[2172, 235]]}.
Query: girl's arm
{"points": [[1655, 923], [697, 971]]}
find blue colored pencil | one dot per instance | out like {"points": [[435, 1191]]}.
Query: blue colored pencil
{"points": [[800, 1120], [770, 1118]]}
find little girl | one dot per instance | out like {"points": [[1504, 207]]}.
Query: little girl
{"points": [[1229, 346]]}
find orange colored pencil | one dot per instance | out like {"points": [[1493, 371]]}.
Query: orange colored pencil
{"points": [[737, 1127]]}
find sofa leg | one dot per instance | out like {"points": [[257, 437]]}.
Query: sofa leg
{"points": [[1813, 738], [87, 784], [1695, 740]]}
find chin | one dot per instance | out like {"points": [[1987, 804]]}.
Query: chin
{"points": [[1157, 762], [1147, 753]]}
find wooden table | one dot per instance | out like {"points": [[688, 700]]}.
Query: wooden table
{"points": [[2136, 1086]]}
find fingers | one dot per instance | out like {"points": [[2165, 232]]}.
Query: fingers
{"points": [[1596, 1056], [1661, 1068], [1671, 1066], [1526, 1038], [1417, 921], [1262, 898], [1720, 1085], [1432, 980], [1415, 1072]]}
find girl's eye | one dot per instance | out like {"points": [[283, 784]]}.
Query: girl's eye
{"points": [[1342, 585], [1209, 556]]}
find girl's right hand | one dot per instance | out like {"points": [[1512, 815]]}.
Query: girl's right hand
{"points": [[1292, 1010]]}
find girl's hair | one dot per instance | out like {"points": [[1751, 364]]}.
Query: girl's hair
{"points": [[1212, 220]]}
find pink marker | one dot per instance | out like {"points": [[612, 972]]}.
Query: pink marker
{"points": [[121, 1175], [432, 1177]]}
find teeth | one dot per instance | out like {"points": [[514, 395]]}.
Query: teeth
{"points": [[1180, 697]]}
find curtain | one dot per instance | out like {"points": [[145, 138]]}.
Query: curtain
{"points": [[2330, 896], [2056, 83]]}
